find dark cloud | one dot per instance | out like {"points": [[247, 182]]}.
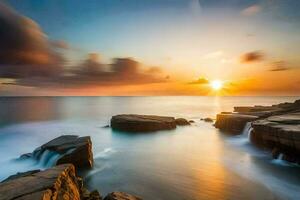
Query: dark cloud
{"points": [[200, 81], [253, 56], [122, 71], [25, 49], [279, 66]]}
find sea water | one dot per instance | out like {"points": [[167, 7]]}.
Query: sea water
{"points": [[194, 162]]}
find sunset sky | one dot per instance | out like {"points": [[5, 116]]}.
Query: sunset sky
{"points": [[149, 47]]}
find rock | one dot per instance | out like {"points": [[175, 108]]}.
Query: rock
{"points": [[142, 123], [275, 153], [71, 149], [233, 122], [266, 111], [121, 196], [191, 121], [280, 132], [20, 174], [207, 119], [182, 122], [59, 182], [26, 156], [87, 195]]}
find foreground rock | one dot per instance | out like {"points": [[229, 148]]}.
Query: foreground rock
{"points": [[281, 134], [59, 182], [233, 122], [121, 196], [142, 123], [70, 148]]}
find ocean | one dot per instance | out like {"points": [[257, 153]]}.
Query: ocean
{"points": [[196, 162]]}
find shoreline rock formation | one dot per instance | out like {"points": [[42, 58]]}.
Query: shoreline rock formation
{"points": [[276, 127], [281, 134], [59, 182], [145, 123], [69, 148]]}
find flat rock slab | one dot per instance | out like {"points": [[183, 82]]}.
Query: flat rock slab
{"points": [[292, 118], [71, 148], [233, 122], [142, 123], [59, 182]]}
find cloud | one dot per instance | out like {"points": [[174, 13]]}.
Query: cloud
{"points": [[60, 44], [253, 56], [251, 10], [279, 66], [200, 81], [25, 49], [30, 59], [91, 72]]}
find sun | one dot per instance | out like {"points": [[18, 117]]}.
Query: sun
{"points": [[216, 84]]}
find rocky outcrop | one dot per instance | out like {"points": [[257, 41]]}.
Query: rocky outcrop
{"points": [[267, 111], [281, 134], [182, 122], [121, 196], [142, 123], [275, 127], [70, 148], [233, 122], [59, 182]]}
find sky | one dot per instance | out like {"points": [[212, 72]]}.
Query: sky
{"points": [[149, 47]]}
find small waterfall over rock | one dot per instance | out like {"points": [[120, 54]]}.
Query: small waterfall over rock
{"points": [[247, 130], [44, 159]]}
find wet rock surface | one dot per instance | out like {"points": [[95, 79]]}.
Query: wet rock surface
{"points": [[71, 149], [121, 196], [142, 123]]}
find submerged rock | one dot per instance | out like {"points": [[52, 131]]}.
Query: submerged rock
{"points": [[142, 123], [59, 182], [182, 122], [207, 119], [233, 122], [71, 149], [121, 196]]}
